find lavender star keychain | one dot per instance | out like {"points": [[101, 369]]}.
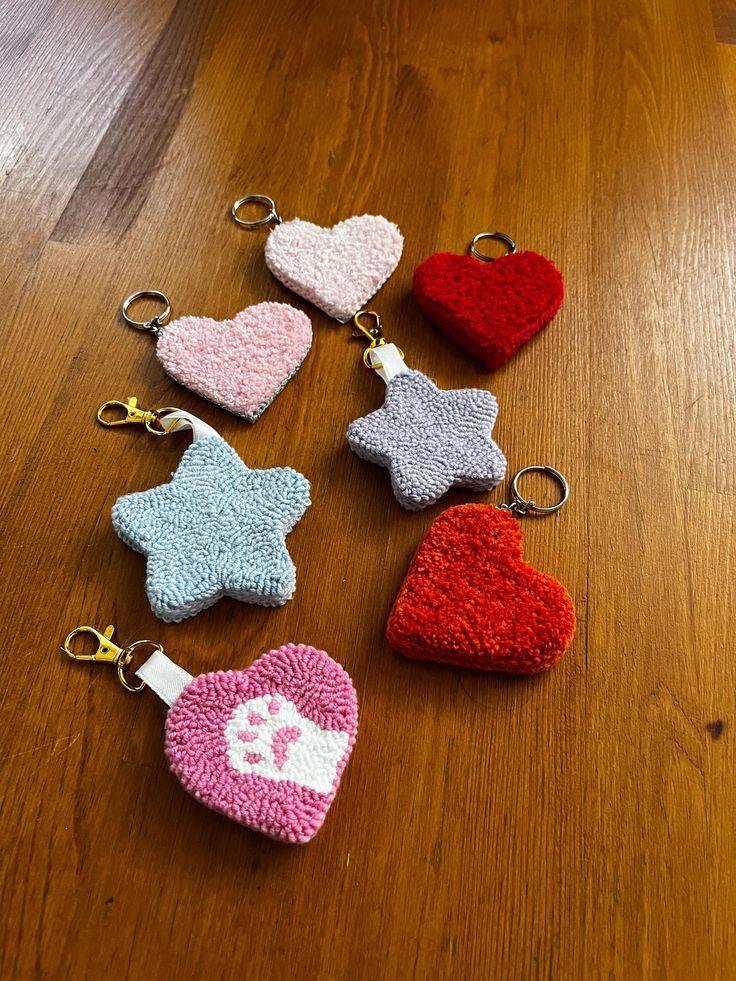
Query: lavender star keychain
{"points": [[429, 439], [338, 269]]}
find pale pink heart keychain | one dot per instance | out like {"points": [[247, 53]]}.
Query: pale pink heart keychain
{"points": [[265, 746], [338, 269], [240, 364]]}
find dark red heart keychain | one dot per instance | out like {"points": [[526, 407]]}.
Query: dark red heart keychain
{"points": [[490, 307]]}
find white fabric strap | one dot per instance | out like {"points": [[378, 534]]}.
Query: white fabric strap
{"points": [[164, 677], [390, 360], [185, 420]]}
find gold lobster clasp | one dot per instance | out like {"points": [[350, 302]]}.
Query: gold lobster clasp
{"points": [[109, 414], [107, 652], [374, 334]]}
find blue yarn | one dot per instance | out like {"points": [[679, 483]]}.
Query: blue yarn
{"points": [[217, 529]]}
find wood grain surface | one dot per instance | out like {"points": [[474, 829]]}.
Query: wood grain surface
{"points": [[574, 825]]}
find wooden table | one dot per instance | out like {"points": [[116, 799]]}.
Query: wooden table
{"points": [[574, 825]]}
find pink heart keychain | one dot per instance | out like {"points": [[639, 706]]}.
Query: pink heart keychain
{"points": [[490, 307], [265, 746], [240, 364], [338, 269]]}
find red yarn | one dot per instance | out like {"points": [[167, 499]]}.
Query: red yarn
{"points": [[470, 599], [489, 308]]}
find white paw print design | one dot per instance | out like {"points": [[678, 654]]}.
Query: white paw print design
{"points": [[269, 737]]}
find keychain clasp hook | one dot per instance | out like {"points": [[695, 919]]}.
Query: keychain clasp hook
{"points": [[133, 416], [374, 334], [107, 652]]}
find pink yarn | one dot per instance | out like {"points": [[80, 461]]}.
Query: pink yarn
{"points": [[338, 269], [267, 746], [240, 364]]}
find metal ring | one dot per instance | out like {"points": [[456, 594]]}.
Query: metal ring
{"points": [[153, 325], [497, 236], [150, 424], [525, 505], [266, 201], [376, 365], [123, 663]]}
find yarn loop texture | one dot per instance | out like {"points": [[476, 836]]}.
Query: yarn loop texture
{"points": [[430, 439], [338, 269], [470, 599], [240, 364], [489, 308], [267, 746], [217, 529]]}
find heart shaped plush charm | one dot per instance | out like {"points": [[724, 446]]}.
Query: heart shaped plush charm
{"points": [[338, 269], [240, 364], [266, 746], [470, 599], [489, 308]]}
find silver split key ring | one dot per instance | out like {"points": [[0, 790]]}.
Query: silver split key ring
{"points": [[265, 201], [498, 237], [155, 324], [521, 506]]}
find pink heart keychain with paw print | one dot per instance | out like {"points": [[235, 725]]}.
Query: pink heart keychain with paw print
{"points": [[265, 746], [338, 269], [240, 364]]}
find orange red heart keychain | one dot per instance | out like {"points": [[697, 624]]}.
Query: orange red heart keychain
{"points": [[470, 599]]}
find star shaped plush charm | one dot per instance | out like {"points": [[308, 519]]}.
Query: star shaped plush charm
{"points": [[217, 529], [430, 439]]}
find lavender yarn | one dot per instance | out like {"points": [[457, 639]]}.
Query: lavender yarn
{"points": [[431, 439]]}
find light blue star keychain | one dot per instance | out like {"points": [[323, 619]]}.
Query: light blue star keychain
{"points": [[429, 439], [217, 528]]}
